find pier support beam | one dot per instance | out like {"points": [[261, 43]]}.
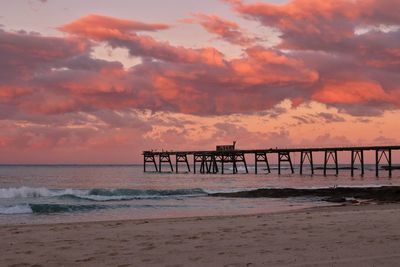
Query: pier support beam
{"points": [[354, 155], [284, 156], [383, 153], [239, 157], [203, 164], [228, 158], [331, 154], [210, 164], [222, 163], [306, 155], [232, 158], [260, 157], [214, 164], [197, 158], [181, 158], [164, 158], [149, 157]]}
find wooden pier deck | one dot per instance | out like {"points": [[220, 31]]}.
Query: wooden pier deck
{"points": [[212, 161]]}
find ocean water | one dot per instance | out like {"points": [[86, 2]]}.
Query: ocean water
{"points": [[77, 193]]}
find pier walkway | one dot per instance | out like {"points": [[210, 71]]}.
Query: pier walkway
{"points": [[212, 161]]}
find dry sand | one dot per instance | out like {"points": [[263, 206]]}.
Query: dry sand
{"points": [[366, 235]]}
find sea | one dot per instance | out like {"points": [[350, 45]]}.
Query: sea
{"points": [[46, 194]]}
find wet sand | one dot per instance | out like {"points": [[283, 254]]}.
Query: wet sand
{"points": [[363, 235]]}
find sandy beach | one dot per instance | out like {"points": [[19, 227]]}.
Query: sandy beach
{"points": [[363, 235]]}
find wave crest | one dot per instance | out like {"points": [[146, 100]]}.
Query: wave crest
{"points": [[97, 194], [35, 192], [17, 209]]}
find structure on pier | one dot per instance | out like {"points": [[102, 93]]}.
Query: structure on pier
{"points": [[215, 161], [226, 147]]}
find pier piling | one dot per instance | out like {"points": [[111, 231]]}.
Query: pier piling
{"points": [[149, 158], [331, 154], [181, 158], [379, 155], [164, 158], [284, 156], [240, 157], [260, 157], [196, 158], [354, 155], [306, 155]]}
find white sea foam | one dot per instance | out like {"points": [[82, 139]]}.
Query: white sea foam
{"points": [[32, 192], [96, 194], [24, 192], [17, 209]]}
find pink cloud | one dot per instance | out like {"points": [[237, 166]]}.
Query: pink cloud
{"points": [[58, 75], [122, 33], [353, 68], [227, 30], [22, 53], [305, 23]]}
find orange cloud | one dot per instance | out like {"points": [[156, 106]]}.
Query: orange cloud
{"points": [[99, 27], [351, 92], [265, 66]]}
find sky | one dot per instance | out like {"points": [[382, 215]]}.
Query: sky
{"points": [[101, 81]]}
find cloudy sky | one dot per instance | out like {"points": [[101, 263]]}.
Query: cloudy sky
{"points": [[100, 81]]}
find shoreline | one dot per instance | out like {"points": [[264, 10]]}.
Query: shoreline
{"points": [[345, 234], [274, 210]]}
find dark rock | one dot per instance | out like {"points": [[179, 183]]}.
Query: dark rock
{"points": [[382, 194], [335, 199]]}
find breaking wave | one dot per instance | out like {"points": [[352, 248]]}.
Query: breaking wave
{"points": [[96, 194], [28, 200]]}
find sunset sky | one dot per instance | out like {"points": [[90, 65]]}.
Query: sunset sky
{"points": [[86, 81]]}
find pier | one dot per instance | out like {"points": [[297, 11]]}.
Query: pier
{"points": [[213, 161]]}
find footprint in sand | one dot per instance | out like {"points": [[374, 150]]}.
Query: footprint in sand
{"points": [[63, 247], [149, 248], [85, 260], [113, 254], [195, 259], [176, 242], [20, 264]]}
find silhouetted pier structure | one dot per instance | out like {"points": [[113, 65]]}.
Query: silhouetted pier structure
{"points": [[213, 161]]}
